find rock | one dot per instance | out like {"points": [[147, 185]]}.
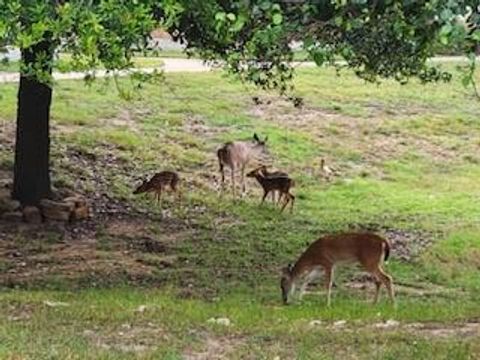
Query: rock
{"points": [[76, 200], [339, 323], [388, 324], [79, 205], [315, 323], [20, 317], [5, 184], [12, 216], [80, 213], [141, 309], [89, 333], [219, 321], [55, 303], [32, 215], [7, 204], [55, 210], [55, 214]]}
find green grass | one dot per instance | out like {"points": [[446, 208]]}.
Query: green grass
{"points": [[408, 165], [111, 318]]}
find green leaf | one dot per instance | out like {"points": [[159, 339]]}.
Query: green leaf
{"points": [[239, 24], [220, 16], [466, 80], [265, 5], [277, 18], [476, 35]]}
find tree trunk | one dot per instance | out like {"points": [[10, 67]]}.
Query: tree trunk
{"points": [[32, 148]]}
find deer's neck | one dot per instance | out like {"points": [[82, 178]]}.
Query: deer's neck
{"points": [[301, 266], [254, 149], [260, 178]]}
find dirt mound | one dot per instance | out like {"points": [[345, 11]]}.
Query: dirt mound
{"points": [[406, 244]]}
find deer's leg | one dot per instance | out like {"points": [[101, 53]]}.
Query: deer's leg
{"points": [[158, 194], [287, 198], [242, 179], [329, 282], [378, 284], [265, 193], [176, 190], [292, 201], [387, 281], [312, 275], [233, 181], [222, 174]]}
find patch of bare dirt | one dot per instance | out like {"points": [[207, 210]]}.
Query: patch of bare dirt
{"points": [[128, 338], [86, 253], [434, 330], [195, 124], [462, 330], [405, 244], [365, 137], [426, 330], [364, 282], [213, 348]]}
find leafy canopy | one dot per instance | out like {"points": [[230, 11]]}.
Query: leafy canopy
{"points": [[253, 38], [377, 39]]}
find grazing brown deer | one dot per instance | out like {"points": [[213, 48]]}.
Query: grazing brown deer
{"points": [[236, 155], [368, 249], [282, 184], [267, 173], [158, 183]]}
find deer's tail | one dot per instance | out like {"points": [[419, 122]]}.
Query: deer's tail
{"points": [[386, 249]]}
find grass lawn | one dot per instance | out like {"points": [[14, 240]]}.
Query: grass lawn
{"points": [[140, 281]]}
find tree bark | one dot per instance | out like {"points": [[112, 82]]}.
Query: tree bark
{"points": [[32, 148]]}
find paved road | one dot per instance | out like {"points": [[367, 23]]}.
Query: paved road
{"points": [[179, 65], [169, 65]]}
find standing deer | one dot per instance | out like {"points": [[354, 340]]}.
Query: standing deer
{"points": [[368, 249], [282, 184], [236, 155], [158, 183], [268, 173]]}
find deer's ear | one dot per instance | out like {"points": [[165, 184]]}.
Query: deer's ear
{"points": [[290, 267], [255, 137]]}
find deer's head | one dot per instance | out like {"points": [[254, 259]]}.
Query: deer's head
{"points": [[257, 172], [259, 146], [259, 143], [287, 284], [144, 187]]}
